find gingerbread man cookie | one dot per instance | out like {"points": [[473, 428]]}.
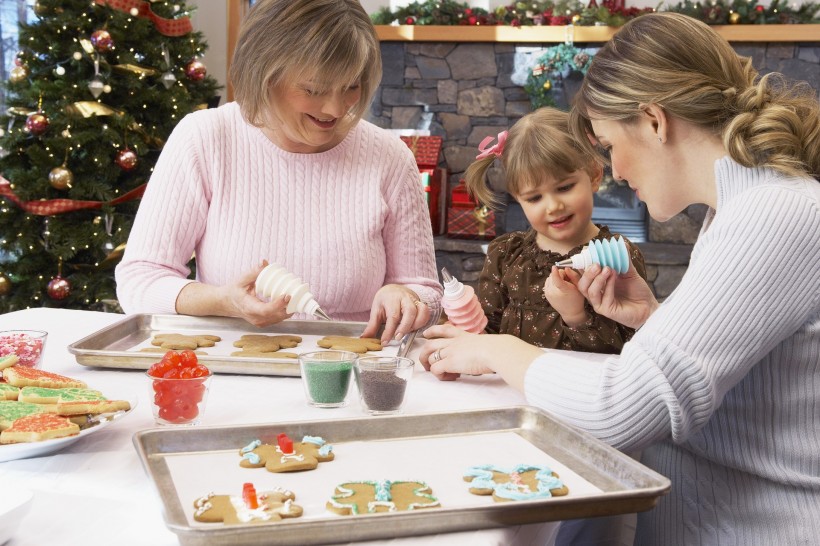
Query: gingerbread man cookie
{"points": [[251, 507], [264, 346], [521, 482], [353, 344], [286, 456], [161, 350], [381, 496], [179, 342]]}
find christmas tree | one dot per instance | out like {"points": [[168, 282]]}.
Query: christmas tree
{"points": [[97, 87]]}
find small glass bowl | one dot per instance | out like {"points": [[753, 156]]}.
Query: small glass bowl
{"points": [[28, 345], [177, 402]]}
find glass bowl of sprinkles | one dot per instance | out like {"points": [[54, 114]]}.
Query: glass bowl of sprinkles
{"points": [[26, 345]]}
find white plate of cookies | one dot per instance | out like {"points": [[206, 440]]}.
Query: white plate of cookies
{"points": [[42, 412]]}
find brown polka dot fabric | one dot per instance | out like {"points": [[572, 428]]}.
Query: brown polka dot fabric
{"points": [[511, 291]]}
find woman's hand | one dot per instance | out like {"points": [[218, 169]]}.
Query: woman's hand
{"points": [[561, 291], [451, 351], [399, 309], [626, 298], [243, 302]]}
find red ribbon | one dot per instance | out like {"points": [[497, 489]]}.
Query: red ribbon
{"points": [[59, 206], [166, 27]]}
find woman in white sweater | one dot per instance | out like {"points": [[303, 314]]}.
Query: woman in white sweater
{"points": [[720, 386]]}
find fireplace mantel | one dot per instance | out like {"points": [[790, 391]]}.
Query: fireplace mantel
{"points": [[584, 34]]}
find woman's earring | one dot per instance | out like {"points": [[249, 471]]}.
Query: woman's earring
{"points": [[660, 140]]}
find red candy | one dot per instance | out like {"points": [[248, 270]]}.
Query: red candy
{"points": [[27, 348], [178, 400], [249, 496], [285, 443]]}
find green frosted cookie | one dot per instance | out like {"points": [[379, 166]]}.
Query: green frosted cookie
{"points": [[11, 411], [45, 395], [8, 392]]}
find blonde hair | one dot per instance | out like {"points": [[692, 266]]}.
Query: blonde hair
{"points": [[538, 146], [331, 42], [682, 65]]}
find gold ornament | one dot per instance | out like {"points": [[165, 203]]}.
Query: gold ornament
{"points": [[40, 9], [575, 19], [135, 69], [734, 18], [547, 85], [18, 74], [88, 108], [60, 178], [5, 285]]}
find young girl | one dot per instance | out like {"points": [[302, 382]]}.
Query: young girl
{"points": [[522, 293]]}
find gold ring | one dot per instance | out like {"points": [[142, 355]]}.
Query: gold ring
{"points": [[419, 302]]}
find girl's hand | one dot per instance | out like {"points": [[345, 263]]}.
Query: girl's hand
{"points": [[451, 351], [626, 298], [242, 302], [399, 309], [561, 291]]}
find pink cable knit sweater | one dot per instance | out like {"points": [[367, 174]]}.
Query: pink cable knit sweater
{"points": [[348, 220]]}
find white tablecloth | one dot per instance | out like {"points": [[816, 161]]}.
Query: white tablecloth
{"points": [[96, 492]]}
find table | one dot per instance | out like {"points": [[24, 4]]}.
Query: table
{"points": [[96, 492]]}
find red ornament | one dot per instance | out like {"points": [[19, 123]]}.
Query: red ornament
{"points": [[759, 9], [126, 159], [58, 288], [102, 41], [195, 71], [410, 21], [37, 123]]}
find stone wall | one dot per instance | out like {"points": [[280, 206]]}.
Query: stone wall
{"points": [[467, 91]]}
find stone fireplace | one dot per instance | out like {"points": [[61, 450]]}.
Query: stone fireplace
{"points": [[464, 92]]}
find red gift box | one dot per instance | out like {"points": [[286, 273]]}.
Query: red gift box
{"points": [[426, 150], [466, 219]]}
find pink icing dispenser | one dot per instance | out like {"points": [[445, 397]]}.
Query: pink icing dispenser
{"points": [[461, 305]]}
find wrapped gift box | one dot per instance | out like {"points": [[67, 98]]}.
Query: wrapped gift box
{"points": [[426, 150], [466, 219]]}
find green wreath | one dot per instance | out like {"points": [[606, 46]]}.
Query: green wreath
{"points": [[554, 65]]}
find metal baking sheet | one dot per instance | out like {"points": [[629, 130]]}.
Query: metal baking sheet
{"points": [[620, 484], [117, 345]]}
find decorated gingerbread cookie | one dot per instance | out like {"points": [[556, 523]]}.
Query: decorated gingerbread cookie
{"points": [[352, 498], [286, 456], [520, 482], [353, 344], [250, 507], [179, 342]]}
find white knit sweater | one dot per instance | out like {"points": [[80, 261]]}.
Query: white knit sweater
{"points": [[721, 387], [347, 221]]}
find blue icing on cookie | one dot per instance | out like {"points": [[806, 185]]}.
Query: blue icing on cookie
{"points": [[252, 457], [324, 447], [383, 491], [483, 479], [251, 446]]}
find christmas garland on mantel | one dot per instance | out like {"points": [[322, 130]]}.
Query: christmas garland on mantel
{"points": [[612, 13]]}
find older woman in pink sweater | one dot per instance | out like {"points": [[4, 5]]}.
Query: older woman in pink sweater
{"points": [[289, 173]]}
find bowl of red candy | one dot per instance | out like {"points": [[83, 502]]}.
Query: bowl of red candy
{"points": [[179, 386], [28, 345]]}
